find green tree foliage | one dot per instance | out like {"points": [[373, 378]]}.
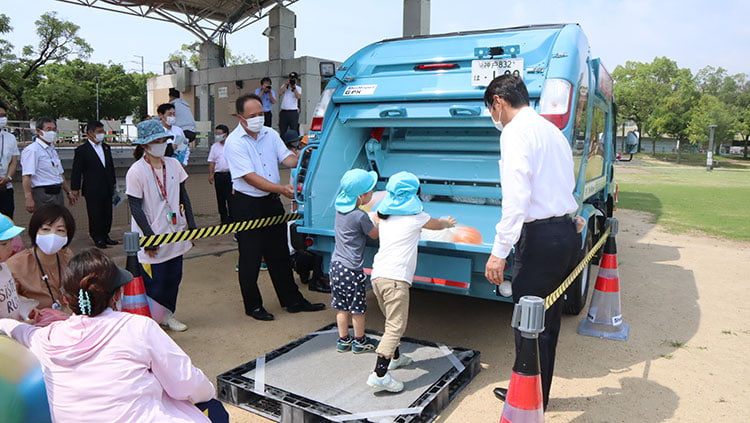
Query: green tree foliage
{"points": [[710, 110], [672, 113], [190, 57], [641, 87], [58, 42], [69, 90]]}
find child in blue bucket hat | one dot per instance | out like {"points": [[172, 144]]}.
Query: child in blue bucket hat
{"points": [[159, 204], [10, 303], [348, 280], [401, 219]]}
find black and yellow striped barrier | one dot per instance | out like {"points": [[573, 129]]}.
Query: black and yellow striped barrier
{"points": [[557, 293], [191, 234]]}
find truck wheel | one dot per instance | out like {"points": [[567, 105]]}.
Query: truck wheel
{"points": [[575, 296]]}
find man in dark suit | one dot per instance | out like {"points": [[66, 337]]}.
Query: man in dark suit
{"points": [[93, 162]]}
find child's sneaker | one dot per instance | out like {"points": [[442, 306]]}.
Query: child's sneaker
{"points": [[344, 345], [363, 347], [386, 382], [401, 361]]}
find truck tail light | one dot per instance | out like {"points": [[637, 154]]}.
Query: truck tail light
{"points": [[554, 104], [436, 66], [320, 109], [309, 242]]}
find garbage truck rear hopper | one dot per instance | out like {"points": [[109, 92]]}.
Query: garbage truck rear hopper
{"points": [[416, 104]]}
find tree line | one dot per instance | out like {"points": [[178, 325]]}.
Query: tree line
{"points": [[663, 99], [53, 77]]}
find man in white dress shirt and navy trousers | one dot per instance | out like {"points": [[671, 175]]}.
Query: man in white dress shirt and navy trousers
{"points": [[536, 172], [254, 152]]}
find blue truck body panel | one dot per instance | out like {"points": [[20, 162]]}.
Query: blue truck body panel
{"points": [[434, 124]]}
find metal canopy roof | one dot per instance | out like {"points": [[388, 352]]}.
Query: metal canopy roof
{"points": [[207, 19]]}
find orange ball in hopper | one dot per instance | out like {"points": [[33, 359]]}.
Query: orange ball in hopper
{"points": [[467, 235]]}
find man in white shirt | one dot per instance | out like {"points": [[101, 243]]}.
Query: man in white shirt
{"points": [[178, 145], [290, 95], [218, 173], [42, 170], [183, 114], [93, 174], [8, 164], [254, 152], [536, 172]]}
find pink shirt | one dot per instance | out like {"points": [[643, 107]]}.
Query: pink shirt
{"points": [[115, 367]]}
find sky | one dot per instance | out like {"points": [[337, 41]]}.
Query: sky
{"points": [[694, 33]]}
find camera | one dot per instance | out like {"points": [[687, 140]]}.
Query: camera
{"points": [[292, 81]]}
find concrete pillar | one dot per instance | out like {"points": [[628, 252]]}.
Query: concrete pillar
{"points": [[416, 17], [281, 42], [211, 56]]}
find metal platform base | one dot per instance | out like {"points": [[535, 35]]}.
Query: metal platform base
{"points": [[307, 381]]}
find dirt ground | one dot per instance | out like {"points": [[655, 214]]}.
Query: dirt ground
{"points": [[684, 362]]}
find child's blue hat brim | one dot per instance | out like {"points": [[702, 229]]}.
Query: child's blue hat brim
{"points": [[354, 183], [150, 130], [8, 230], [401, 198]]}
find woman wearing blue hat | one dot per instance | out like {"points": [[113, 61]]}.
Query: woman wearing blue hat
{"points": [[159, 204], [401, 218]]}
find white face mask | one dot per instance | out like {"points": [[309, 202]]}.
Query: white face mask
{"points": [[255, 124], [3, 122], [157, 150], [170, 120], [99, 137], [50, 244], [498, 123], [49, 136], [220, 137]]}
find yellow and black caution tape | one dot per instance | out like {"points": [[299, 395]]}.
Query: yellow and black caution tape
{"points": [[191, 234], [557, 293]]}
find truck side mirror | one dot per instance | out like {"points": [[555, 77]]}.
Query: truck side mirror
{"points": [[631, 142], [327, 69]]}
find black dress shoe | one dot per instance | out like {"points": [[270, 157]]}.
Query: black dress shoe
{"points": [[500, 393], [320, 285], [305, 306], [111, 241], [260, 314], [100, 244]]}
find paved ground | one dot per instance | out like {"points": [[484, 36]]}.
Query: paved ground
{"points": [[683, 295], [684, 362]]}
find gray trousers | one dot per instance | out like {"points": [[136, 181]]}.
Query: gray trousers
{"points": [[41, 198]]}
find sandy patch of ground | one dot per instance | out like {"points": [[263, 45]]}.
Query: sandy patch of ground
{"points": [[684, 297]]}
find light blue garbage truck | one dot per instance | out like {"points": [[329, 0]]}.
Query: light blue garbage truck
{"points": [[416, 104]]}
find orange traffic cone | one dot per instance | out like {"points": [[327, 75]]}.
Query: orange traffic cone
{"points": [[604, 319], [523, 403], [134, 298]]}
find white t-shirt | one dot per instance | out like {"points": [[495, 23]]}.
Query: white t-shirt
{"points": [[10, 305], [289, 100], [397, 256], [140, 182], [8, 150]]}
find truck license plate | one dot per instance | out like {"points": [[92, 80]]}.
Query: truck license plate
{"points": [[485, 70]]}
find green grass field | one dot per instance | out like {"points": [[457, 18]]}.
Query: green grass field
{"points": [[684, 200]]}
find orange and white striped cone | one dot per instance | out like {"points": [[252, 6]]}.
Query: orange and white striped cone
{"points": [[523, 402], [604, 319], [134, 298]]}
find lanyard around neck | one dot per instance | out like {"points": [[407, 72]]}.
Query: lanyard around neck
{"points": [[162, 186], [45, 277]]}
